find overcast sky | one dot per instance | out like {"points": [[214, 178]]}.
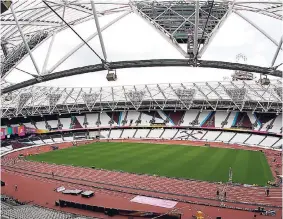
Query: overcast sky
{"points": [[132, 38]]}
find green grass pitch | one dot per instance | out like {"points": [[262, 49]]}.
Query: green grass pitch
{"points": [[190, 162]]}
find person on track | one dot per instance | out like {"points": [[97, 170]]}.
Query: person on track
{"points": [[16, 188], [267, 192]]}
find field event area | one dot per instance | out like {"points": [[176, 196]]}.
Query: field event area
{"points": [[188, 162]]}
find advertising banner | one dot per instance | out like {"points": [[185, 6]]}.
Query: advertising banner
{"points": [[3, 133], [15, 130], [9, 130], [21, 131]]}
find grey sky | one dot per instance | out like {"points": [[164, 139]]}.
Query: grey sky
{"points": [[132, 38]]}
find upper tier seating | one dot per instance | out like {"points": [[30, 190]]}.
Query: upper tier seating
{"points": [[220, 116], [53, 123], [277, 125], [189, 117], [230, 120], [81, 120], [132, 117], [91, 120], [40, 125], [66, 122]]}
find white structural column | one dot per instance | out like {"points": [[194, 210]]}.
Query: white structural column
{"points": [[24, 40], [82, 43], [48, 54], [257, 27], [196, 27], [98, 30], [51, 44], [277, 52]]}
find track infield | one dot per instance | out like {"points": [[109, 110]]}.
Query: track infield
{"points": [[190, 162]]}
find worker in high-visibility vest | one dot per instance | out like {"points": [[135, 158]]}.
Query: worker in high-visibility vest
{"points": [[200, 215]]}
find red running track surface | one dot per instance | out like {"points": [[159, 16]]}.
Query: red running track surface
{"points": [[35, 184]]}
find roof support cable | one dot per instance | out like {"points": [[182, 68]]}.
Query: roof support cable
{"points": [[101, 59], [210, 10]]}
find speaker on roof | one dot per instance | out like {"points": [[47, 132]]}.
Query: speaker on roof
{"points": [[111, 75]]}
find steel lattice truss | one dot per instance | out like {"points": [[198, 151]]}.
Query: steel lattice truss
{"points": [[248, 96], [177, 20], [34, 18], [193, 23], [20, 51]]}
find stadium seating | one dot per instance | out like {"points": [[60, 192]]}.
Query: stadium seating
{"points": [[36, 140], [46, 139], [93, 134], [277, 125], [255, 139], [145, 119], [6, 149], [40, 125], [91, 120], [264, 122], [230, 120], [202, 117], [29, 125], [31, 212], [155, 133], [268, 141], [225, 136], [211, 135], [239, 138], [81, 120], [115, 133], [104, 134], [254, 121], [128, 133], [57, 138], [53, 124], [68, 136], [141, 133], [179, 134], [66, 122], [132, 117], [220, 116], [169, 133], [105, 120], [189, 117], [278, 144]]}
